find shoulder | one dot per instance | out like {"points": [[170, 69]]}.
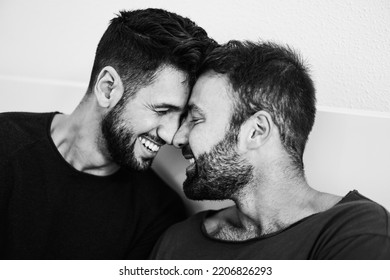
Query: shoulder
{"points": [[24, 119], [356, 208], [356, 228], [18, 129], [356, 214]]}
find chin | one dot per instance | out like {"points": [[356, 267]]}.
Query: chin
{"points": [[145, 165], [135, 164]]}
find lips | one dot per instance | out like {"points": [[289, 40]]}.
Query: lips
{"points": [[187, 154], [190, 157], [149, 145], [190, 169]]}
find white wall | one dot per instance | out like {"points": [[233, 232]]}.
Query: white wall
{"points": [[47, 50], [347, 42]]}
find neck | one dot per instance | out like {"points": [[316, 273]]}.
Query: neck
{"points": [[275, 199], [78, 138]]}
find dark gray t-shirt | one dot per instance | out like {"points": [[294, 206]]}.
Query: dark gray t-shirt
{"points": [[355, 228]]}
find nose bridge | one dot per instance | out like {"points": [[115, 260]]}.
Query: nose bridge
{"points": [[181, 137]]}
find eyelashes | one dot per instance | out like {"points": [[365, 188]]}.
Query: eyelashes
{"points": [[196, 120], [161, 112]]}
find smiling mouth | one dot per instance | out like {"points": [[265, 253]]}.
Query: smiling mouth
{"points": [[190, 169], [188, 155], [191, 160], [150, 146]]}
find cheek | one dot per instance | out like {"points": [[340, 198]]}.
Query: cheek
{"points": [[142, 124], [147, 124], [201, 140]]}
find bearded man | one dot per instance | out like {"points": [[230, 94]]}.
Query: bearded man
{"points": [[78, 186], [249, 117]]}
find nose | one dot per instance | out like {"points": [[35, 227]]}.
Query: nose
{"points": [[181, 137], [167, 129]]}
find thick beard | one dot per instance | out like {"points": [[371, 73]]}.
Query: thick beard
{"points": [[120, 139], [218, 175]]}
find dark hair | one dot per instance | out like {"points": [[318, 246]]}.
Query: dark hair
{"points": [[270, 77], [137, 43]]}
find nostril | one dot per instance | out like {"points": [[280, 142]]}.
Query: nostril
{"points": [[177, 144]]}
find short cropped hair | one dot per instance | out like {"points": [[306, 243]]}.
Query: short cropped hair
{"points": [[270, 77], [138, 43]]}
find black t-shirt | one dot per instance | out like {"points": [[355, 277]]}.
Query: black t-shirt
{"points": [[355, 228], [49, 210]]}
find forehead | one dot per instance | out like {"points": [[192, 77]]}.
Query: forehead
{"points": [[169, 86], [212, 95]]}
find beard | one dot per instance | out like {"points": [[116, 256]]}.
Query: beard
{"points": [[219, 174], [120, 139]]}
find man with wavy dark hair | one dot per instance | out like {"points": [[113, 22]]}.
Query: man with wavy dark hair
{"points": [[71, 186], [250, 115]]}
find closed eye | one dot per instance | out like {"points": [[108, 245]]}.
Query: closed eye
{"points": [[196, 120], [162, 111], [196, 114]]}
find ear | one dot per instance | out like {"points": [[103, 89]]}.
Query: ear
{"points": [[108, 87], [257, 130]]}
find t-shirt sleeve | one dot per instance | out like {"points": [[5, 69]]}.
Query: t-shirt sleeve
{"points": [[362, 232], [361, 247]]}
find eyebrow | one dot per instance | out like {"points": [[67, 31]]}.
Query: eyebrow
{"points": [[194, 108], [171, 107]]}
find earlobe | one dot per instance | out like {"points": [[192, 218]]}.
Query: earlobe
{"points": [[108, 87]]}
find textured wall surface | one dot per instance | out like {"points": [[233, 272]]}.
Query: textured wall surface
{"points": [[346, 42]]}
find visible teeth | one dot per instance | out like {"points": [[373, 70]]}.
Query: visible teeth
{"points": [[191, 160], [151, 146]]}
